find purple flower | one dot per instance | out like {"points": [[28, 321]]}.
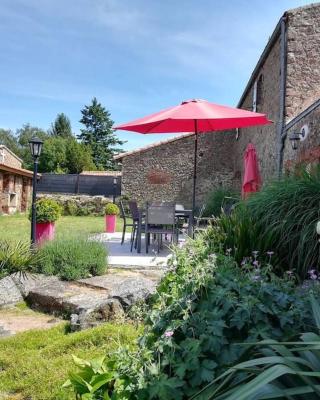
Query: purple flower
{"points": [[256, 278], [168, 333], [256, 263]]}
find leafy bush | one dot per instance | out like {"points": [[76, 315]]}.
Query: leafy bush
{"points": [[112, 209], [72, 259], [17, 257], [283, 370], [281, 218], [70, 208], [203, 308], [220, 199], [47, 210], [286, 212]]}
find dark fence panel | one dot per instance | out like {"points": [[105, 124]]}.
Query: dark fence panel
{"points": [[80, 184]]}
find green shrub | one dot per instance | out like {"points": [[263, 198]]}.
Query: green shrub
{"points": [[112, 209], [70, 208], [220, 199], [283, 370], [72, 259], [285, 213], [203, 308], [47, 210], [17, 257]]}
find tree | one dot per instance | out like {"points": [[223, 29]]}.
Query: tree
{"points": [[99, 135], [8, 139], [78, 157], [61, 126], [53, 155], [23, 135]]}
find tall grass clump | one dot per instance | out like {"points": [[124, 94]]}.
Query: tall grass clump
{"points": [[285, 214], [219, 200], [73, 258], [17, 257]]}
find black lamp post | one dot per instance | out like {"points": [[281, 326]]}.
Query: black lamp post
{"points": [[115, 182], [35, 147]]}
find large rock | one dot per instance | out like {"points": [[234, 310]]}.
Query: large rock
{"points": [[128, 289], [9, 292]]}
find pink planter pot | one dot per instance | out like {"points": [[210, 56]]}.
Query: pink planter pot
{"points": [[111, 223], [44, 231]]}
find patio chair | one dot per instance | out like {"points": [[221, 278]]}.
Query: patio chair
{"points": [[125, 223], [160, 220], [135, 214], [202, 222]]}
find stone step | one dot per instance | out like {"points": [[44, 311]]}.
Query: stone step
{"points": [[93, 300]]}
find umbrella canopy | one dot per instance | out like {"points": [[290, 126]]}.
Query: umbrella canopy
{"points": [[195, 116], [251, 179], [208, 116]]}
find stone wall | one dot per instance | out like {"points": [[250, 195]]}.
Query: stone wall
{"points": [[165, 172], [308, 151], [15, 193], [262, 137], [9, 158], [303, 58]]}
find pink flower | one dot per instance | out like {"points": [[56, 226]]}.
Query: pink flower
{"points": [[168, 333]]}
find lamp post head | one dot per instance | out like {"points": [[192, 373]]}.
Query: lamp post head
{"points": [[294, 139], [35, 147]]}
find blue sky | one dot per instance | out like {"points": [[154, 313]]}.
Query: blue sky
{"points": [[135, 56]]}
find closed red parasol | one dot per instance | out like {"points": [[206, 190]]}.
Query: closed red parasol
{"points": [[251, 179]]}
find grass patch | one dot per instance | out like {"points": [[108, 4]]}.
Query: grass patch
{"points": [[34, 364], [17, 227]]}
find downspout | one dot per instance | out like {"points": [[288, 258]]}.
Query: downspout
{"points": [[281, 132]]}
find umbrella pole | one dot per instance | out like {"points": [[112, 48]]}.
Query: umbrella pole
{"points": [[194, 172]]}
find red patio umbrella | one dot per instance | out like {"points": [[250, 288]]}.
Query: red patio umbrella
{"points": [[196, 116], [251, 179]]}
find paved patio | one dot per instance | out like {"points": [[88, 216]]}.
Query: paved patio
{"points": [[120, 255]]}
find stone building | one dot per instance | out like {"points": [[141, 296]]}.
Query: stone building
{"points": [[285, 85], [15, 183]]}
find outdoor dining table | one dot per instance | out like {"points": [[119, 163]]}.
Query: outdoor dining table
{"points": [[187, 214]]}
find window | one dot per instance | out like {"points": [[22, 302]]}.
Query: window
{"points": [[257, 98]]}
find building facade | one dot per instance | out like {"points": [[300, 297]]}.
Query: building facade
{"points": [[15, 183], [285, 85]]}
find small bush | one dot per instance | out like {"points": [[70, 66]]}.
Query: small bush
{"points": [[70, 208], [17, 257], [72, 259], [112, 209], [219, 200], [47, 210]]}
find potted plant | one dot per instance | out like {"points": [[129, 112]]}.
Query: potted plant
{"points": [[47, 212], [111, 212]]}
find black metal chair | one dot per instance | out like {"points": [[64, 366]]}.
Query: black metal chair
{"points": [[160, 220], [135, 215], [125, 222]]}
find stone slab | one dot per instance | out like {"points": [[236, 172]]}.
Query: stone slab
{"points": [[9, 292]]}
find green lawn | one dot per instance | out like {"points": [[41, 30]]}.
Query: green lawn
{"points": [[34, 364], [17, 227]]}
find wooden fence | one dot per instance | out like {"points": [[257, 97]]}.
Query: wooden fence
{"points": [[104, 185]]}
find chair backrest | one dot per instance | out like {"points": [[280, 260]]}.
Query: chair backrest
{"points": [[160, 214], [122, 211], [134, 210], [179, 207]]}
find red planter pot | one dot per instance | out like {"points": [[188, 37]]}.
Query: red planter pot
{"points": [[44, 231], [111, 221]]}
